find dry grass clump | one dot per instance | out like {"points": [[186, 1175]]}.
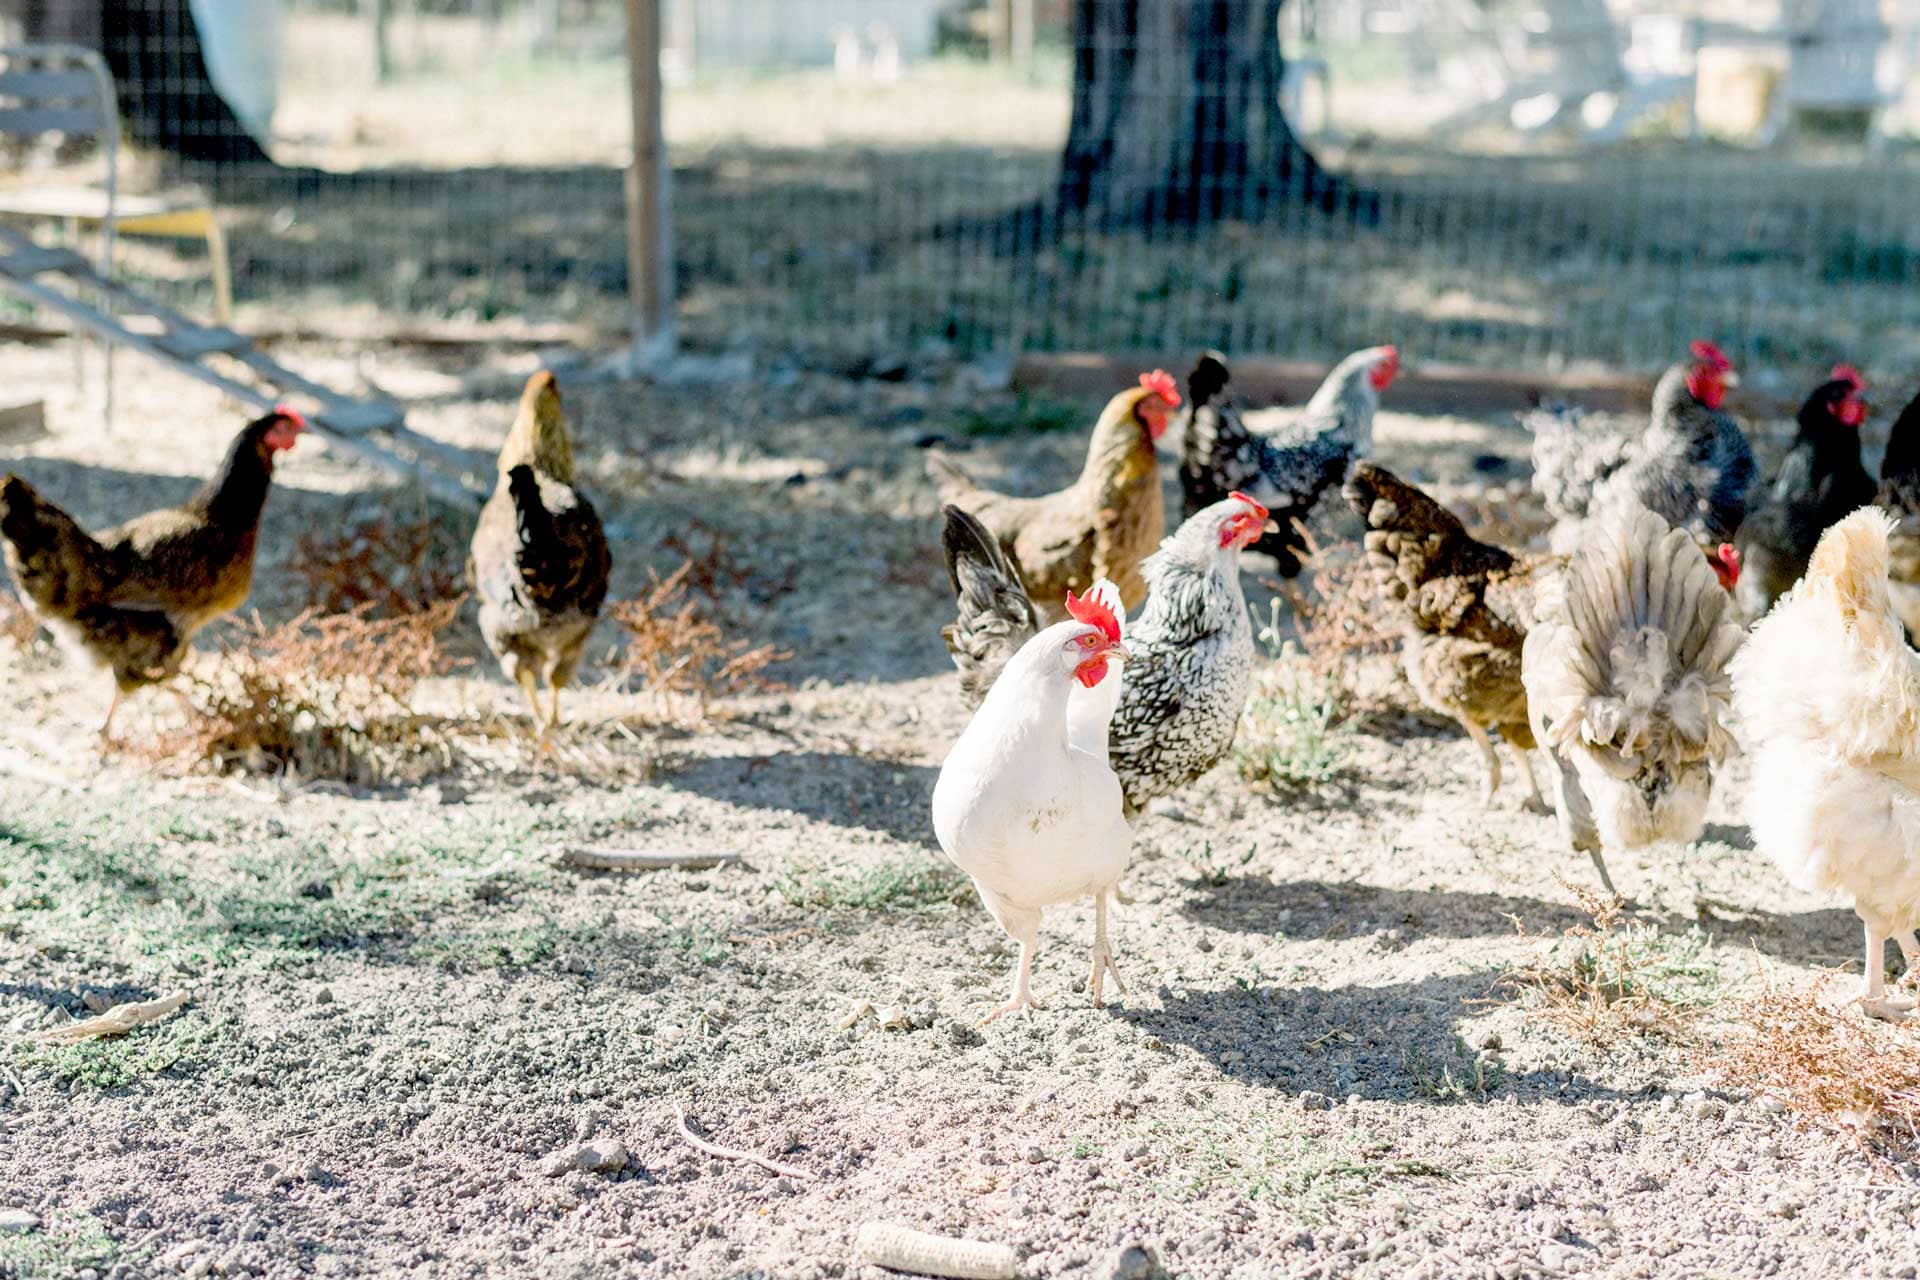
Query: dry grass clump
{"points": [[1609, 979], [1343, 630], [1830, 1064], [389, 567], [678, 654], [714, 572], [320, 696]]}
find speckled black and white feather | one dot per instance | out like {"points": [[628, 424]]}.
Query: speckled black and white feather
{"points": [[1191, 666], [1289, 466]]}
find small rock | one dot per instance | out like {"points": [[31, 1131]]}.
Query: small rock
{"points": [[1561, 1257], [316, 890], [1314, 1101], [1783, 1207], [15, 1221], [1036, 1156], [1133, 1262], [605, 1156], [323, 996], [1134, 1151], [1767, 1104], [1491, 1042], [1701, 1107]]}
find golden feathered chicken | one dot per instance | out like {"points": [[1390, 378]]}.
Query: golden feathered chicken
{"points": [[131, 598], [1625, 670], [1465, 608], [539, 560], [1828, 696], [1101, 526]]}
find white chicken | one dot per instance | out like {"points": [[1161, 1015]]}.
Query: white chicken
{"points": [[1828, 698], [1026, 803]]}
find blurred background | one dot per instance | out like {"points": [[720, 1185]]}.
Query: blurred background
{"points": [[1554, 184]]}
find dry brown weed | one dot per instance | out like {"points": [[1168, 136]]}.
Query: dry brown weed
{"points": [[391, 567], [1830, 1064], [678, 654], [320, 696]]}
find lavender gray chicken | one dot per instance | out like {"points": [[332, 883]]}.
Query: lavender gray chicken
{"points": [[1192, 645], [1288, 467], [1691, 464]]}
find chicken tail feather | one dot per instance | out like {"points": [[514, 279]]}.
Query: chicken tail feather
{"points": [[995, 616], [60, 567]]}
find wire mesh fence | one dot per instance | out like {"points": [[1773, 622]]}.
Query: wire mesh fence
{"points": [[1545, 183]]}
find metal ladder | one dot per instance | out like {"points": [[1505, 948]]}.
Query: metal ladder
{"points": [[55, 278]]}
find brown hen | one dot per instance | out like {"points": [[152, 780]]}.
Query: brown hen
{"points": [[131, 598], [1465, 608], [1102, 525]]}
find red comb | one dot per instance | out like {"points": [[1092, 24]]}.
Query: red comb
{"points": [[1161, 383], [1710, 354], [1847, 373], [292, 415], [1093, 612], [1258, 507]]}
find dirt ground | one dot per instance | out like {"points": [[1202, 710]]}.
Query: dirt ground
{"points": [[416, 1043]]}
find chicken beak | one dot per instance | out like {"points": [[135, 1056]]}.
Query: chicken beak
{"points": [[1117, 651], [1271, 526], [1730, 379]]}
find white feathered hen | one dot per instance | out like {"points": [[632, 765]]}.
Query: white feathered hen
{"points": [[1828, 695], [1026, 802], [1625, 670]]}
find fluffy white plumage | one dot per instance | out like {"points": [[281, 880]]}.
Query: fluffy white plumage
{"points": [[1625, 670], [1828, 696], [1026, 803]]}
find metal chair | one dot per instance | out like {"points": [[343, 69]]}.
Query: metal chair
{"points": [[67, 89]]}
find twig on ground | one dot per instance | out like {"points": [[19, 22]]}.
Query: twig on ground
{"points": [[729, 1153], [19, 1090], [597, 859], [886, 1244], [118, 1020]]}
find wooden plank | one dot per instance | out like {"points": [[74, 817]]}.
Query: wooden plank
{"points": [[191, 344], [1261, 380], [110, 329]]}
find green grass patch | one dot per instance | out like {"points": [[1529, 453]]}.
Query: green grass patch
{"points": [[178, 1046], [61, 1247], [890, 886]]}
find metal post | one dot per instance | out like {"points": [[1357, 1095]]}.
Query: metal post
{"points": [[649, 259]]}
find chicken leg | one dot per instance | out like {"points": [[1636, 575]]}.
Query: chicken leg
{"points": [[106, 726], [1024, 928], [1875, 1002], [1480, 740], [1102, 953], [529, 685], [1536, 802]]}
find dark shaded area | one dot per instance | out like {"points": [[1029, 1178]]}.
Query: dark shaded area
{"points": [[1253, 903], [861, 793]]}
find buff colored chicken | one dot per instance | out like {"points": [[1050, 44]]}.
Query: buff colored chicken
{"points": [[1828, 697], [1101, 526], [1625, 671]]}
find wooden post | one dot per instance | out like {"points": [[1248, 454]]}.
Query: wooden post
{"points": [[649, 260]]}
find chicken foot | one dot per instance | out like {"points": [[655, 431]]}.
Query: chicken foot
{"points": [[1023, 1001], [106, 726], [529, 685], [1536, 802], [1102, 953], [1875, 1002]]}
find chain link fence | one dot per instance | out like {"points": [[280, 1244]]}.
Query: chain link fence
{"points": [[1523, 183]]}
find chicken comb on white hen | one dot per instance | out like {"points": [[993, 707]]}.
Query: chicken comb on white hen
{"points": [[1625, 669], [1026, 803], [1828, 696]]}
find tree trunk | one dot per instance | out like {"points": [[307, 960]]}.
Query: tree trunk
{"points": [[166, 98], [1177, 116]]}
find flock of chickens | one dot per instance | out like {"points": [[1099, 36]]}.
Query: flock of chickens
{"points": [[1623, 653]]}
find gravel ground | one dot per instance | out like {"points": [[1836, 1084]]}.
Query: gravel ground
{"points": [[418, 1043]]}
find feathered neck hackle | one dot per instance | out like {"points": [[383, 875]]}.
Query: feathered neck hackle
{"points": [[539, 436], [1118, 436]]}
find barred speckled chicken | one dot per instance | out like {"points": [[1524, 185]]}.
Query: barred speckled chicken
{"points": [[1691, 464], [1287, 467], [1192, 644]]}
